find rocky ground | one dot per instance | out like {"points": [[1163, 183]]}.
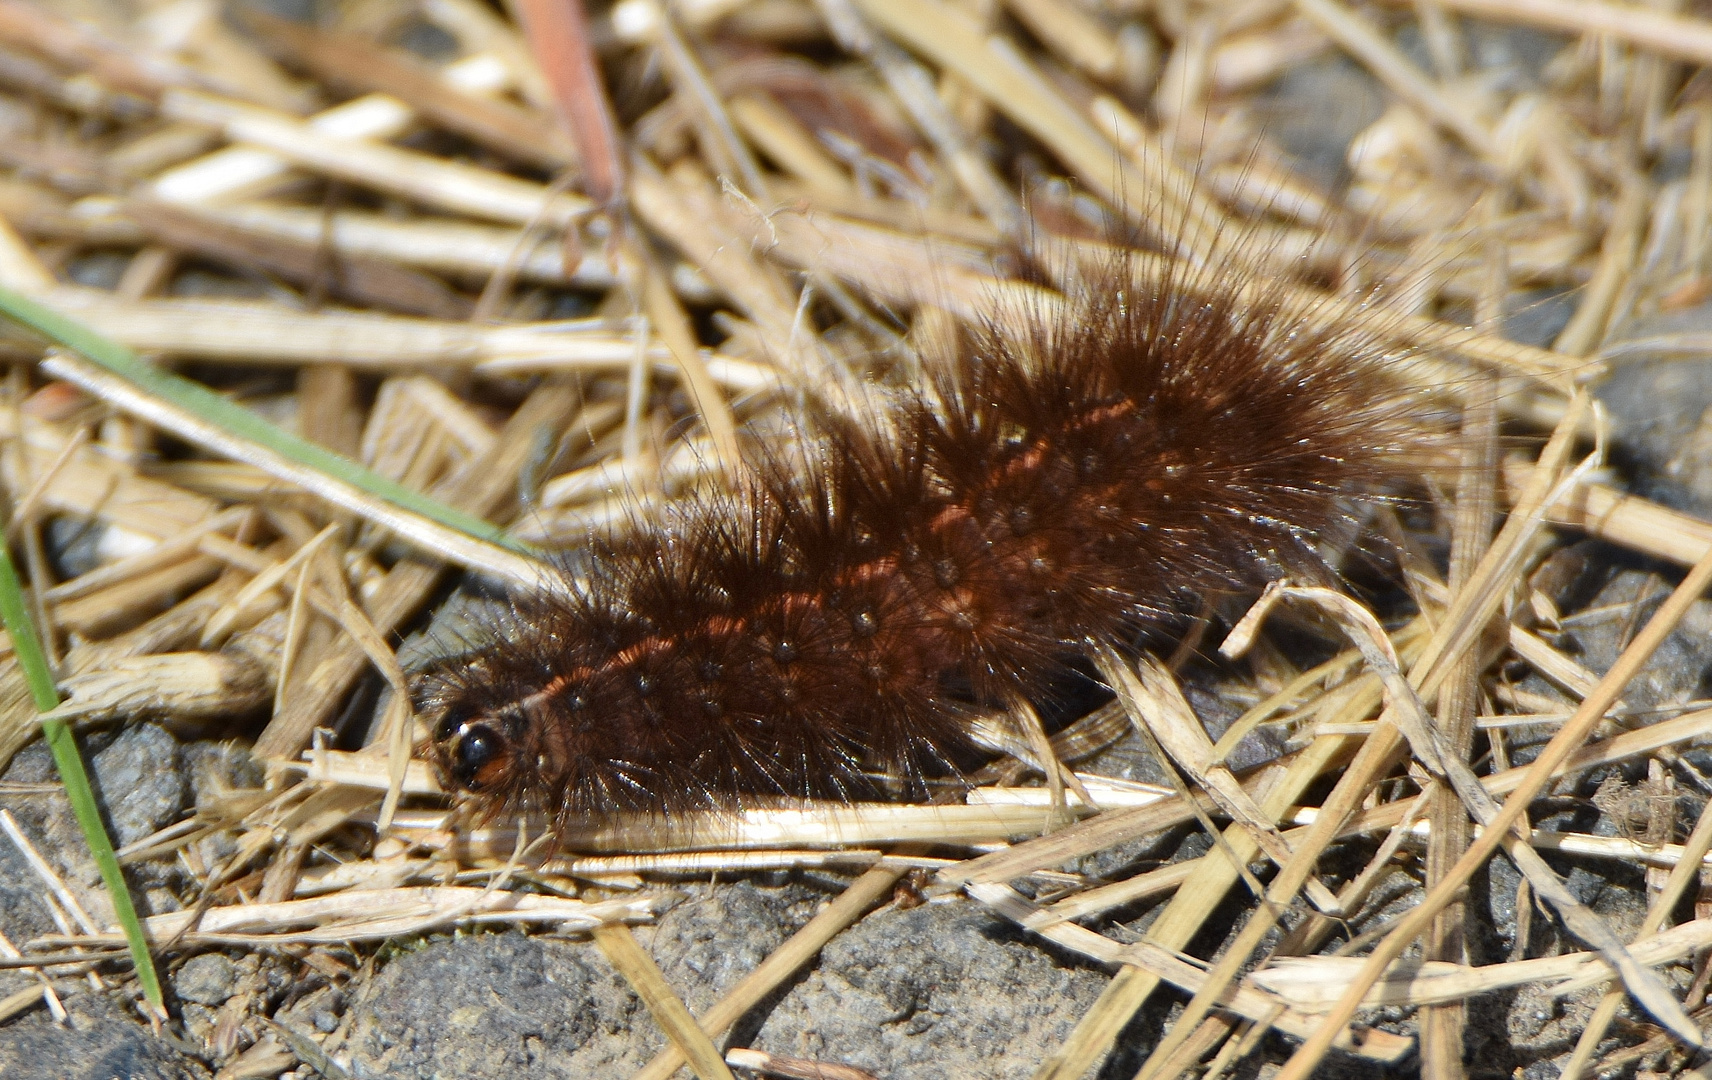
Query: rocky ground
{"points": [[943, 988]]}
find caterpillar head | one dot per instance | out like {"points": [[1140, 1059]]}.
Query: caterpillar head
{"points": [[468, 749], [475, 748]]}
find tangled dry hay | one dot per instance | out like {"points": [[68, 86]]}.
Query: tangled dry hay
{"points": [[457, 266]]}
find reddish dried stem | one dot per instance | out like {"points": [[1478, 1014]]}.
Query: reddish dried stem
{"points": [[558, 32]]}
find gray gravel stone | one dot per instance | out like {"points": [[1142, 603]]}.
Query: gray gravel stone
{"points": [[1537, 318], [22, 914], [74, 545], [1543, 1025], [704, 946], [1676, 672], [1661, 408], [936, 991], [44, 817], [493, 1005], [99, 269], [1315, 110], [208, 979], [941, 990], [488, 1005], [31, 765], [139, 781], [216, 768], [102, 1042]]}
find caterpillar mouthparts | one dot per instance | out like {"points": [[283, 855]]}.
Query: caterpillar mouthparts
{"points": [[1073, 476]]}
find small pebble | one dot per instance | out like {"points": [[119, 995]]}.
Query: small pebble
{"points": [[208, 979], [139, 782]]}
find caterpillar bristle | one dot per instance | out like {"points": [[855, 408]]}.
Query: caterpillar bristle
{"points": [[1074, 473]]}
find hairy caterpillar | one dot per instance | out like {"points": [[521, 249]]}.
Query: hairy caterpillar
{"points": [[1074, 474]]}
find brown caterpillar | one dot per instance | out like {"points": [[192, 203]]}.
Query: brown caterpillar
{"points": [[1071, 481]]}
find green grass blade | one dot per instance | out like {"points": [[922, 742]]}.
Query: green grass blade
{"points": [[28, 649], [194, 397]]}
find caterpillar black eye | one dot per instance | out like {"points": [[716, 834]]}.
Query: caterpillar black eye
{"points": [[450, 721], [477, 747]]}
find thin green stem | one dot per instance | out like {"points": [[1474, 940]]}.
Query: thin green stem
{"points": [[192, 396], [28, 649]]}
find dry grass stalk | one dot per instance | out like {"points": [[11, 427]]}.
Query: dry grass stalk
{"points": [[1164, 964], [1538, 775], [1665, 33], [669, 1011], [460, 546], [239, 171], [428, 180], [1312, 983], [375, 915]]}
